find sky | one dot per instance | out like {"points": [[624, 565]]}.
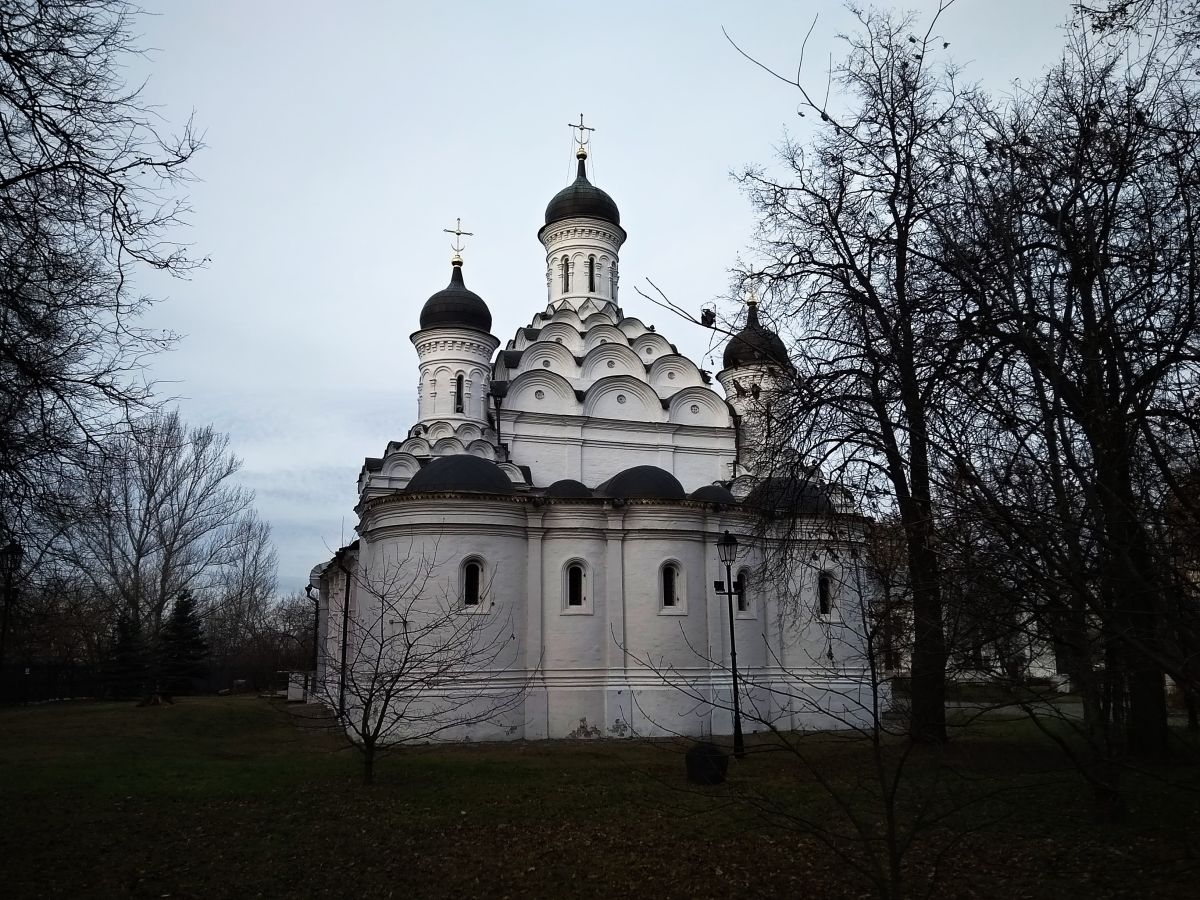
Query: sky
{"points": [[341, 138]]}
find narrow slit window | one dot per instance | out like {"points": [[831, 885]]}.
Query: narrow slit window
{"points": [[471, 577], [825, 593], [458, 394], [742, 586], [575, 586], [566, 274], [591, 274], [670, 587]]}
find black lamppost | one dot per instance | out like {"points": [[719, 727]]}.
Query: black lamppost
{"points": [[10, 564], [727, 546], [316, 602]]}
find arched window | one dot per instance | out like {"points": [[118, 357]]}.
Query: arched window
{"points": [[472, 580], [458, 394], [742, 586], [575, 596], [591, 274], [566, 275], [575, 581], [612, 281], [670, 586], [825, 593]]}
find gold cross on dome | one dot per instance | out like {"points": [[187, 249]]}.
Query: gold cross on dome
{"points": [[582, 137], [459, 234], [752, 297]]}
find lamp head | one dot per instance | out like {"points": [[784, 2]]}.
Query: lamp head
{"points": [[727, 546]]}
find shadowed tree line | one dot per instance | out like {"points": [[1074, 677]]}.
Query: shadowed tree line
{"points": [[131, 523], [992, 307]]}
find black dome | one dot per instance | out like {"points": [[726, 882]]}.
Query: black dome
{"points": [[455, 306], [756, 344], [713, 493], [582, 198], [461, 472], [792, 495], [643, 483], [570, 489]]}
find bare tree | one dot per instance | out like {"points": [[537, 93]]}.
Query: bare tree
{"points": [[161, 516], [409, 661], [87, 194], [239, 608], [1178, 18], [1075, 248], [846, 257]]}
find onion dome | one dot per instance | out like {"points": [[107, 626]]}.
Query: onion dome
{"points": [[570, 489], [582, 198], [462, 473], [713, 493], [756, 345], [643, 483], [792, 495], [455, 306]]}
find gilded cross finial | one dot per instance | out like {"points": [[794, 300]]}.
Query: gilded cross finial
{"points": [[459, 234], [581, 135], [752, 297]]}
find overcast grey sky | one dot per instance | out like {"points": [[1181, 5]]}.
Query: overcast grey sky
{"points": [[343, 137]]}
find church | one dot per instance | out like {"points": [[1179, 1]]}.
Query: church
{"points": [[548, 529]]}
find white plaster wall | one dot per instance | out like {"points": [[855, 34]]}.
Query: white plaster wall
{"points": [[585, 670], [577, 239], [445, 353], [591, 450]]}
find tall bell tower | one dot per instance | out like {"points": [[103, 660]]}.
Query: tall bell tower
{"points": [[454, 348], [583, 238]]}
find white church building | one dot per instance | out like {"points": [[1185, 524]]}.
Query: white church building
{"points": [[563, 492]]}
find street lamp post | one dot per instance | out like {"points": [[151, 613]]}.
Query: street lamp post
{"points": [[10, 564], [727, 546], [316, 602]]}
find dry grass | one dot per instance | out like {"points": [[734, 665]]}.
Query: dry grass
{"points": [[228, 797]]}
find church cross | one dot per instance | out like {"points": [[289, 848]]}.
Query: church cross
{"points": [[582, 138], [458, 233]]}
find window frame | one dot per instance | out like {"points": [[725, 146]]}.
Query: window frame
{"points": [[679, 607], [460, 393], [748, 611], [584, 608], [826, 595], [566, 275], [482, 603]]}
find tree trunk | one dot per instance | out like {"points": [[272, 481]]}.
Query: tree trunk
{"points": [[927, 719], [368, 751], [1136, 595]]}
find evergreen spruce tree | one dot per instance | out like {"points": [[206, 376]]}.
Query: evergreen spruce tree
{"points": [[126, 663], [184, 649]]}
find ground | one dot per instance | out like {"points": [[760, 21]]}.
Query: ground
{"points": [[228, 797]]}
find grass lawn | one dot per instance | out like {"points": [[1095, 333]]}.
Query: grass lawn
{"points": [[228, 797]]}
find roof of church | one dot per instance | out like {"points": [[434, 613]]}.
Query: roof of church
{"points": [[793, 495], [463, 473], [582, 198], [456, 306], [643, 483], [713, 493], [755, 344], [569, 488]]}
